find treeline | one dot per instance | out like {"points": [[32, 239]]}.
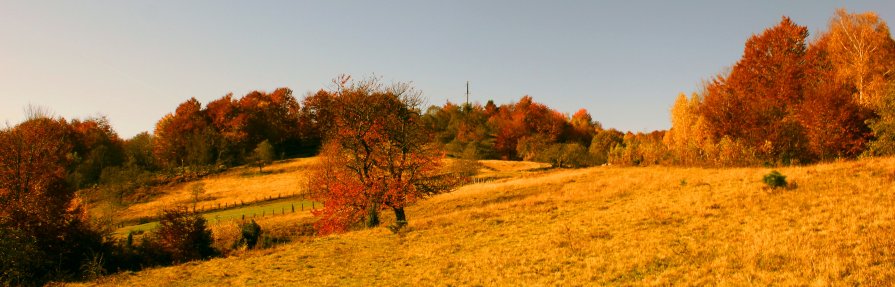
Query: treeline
{"points": [[789, 100], [46, 232], [528, 130], [525, 130]]}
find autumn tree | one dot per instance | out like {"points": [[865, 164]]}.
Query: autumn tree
{"points": [[512, 122], [316, 118], [263, 155], [463, 130], [756, 104], [602, 144], [138, 152], [833, 119], [566, 155], [640, 149], [688, 140], [196, 190], [581, 128], [378, 155], [176, 134], [39, 211], [95, 146], [884, 126], [862, 52], [273, 116], [230, 121], [184, 236]]}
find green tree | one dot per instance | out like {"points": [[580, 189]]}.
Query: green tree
{"points": [[197, 189], [884, 126], [263, 155]]}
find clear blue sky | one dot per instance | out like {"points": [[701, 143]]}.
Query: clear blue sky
{"points": [[134, 61]]}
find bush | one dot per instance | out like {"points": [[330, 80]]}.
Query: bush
{"points": [[249, 236], [567, 155], [184, 236], [31, 258], [775, 180], [22, 260], [129, 255]]}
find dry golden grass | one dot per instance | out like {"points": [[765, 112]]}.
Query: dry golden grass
{"points": [[509, 166], [502, 169], [286, 226], [242, 184], [601, 226]]}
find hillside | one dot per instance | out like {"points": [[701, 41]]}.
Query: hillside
{"points": [[239, 185], [601, 225]]}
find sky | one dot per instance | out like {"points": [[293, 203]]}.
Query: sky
{"points": [[623, 61]]}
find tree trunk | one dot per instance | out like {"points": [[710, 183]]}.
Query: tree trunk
{"points": [[400, 217], [373, 216]]}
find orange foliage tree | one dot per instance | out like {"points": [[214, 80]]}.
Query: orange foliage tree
{"points": [[96, 146], [228, 129], [862, 52], [523, 119], [377, 155], [786, 102], [39, 212], [834, 121], [755, 105]]}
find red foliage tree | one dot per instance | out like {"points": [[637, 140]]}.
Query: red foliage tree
{"points": [[229, 120], [756, 103], [176, 133], [316, 117], [378, 155], [525, 118], [581, 128], [38, 208], [271, 116], [833, 120], [95, 146]]}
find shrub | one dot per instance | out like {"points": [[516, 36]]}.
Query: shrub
{"points": [[249, 236], [184, 236], [775, 180], [561, 155], [21, 260], [131, 255]]}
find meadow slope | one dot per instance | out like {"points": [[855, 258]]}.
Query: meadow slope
{"points": [[601, 226]]}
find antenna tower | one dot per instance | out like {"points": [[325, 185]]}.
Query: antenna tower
{"points": [[467, 93]]}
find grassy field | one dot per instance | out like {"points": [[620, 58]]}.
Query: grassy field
{"points": [[239, 185], [283, 178], [600, 226], [265, 209]]}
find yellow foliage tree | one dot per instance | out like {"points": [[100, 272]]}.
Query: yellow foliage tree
{"points": [[863, 53], [688, 139]]}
